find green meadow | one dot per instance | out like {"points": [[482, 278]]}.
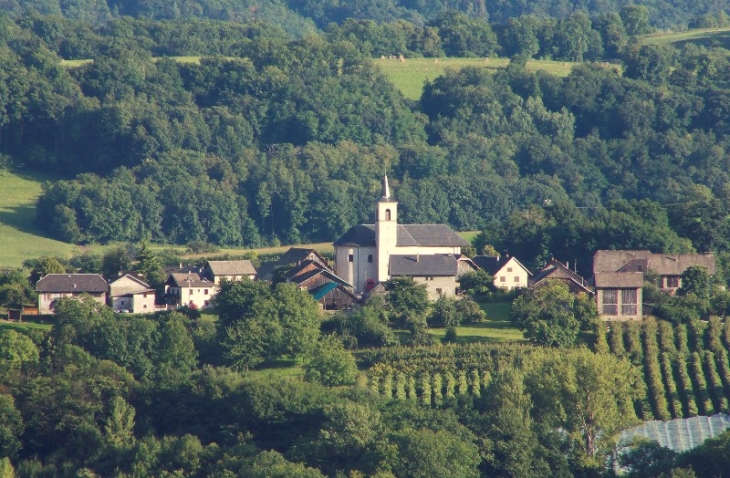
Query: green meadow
{"points": [[20, 237], [708, 37], [411, 74], [497, 327]]}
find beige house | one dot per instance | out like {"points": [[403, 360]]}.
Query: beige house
{"points": [[56, 286], [508, 272], [130, 294], [619, 295], [364, 255], [217, 271], [189, 289]]}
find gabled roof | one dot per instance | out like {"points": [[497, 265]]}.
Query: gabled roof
{"points": [[91, 283], [363, 235], [232, 268], [662, 264], [121, 286], [179, 279], [556, 270], [619, 280], [421, 265], [493, 264], [308, 269]]}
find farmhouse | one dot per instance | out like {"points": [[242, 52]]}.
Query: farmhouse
{"points": [[190, 289], [216, 271], [369, 254], [130, 294], [56, 286], [619, 277]]}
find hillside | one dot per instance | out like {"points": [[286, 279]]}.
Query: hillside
{"points": [[20, 238]]}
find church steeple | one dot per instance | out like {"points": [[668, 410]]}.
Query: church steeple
{"points": [[386, 230], [386, 189]]}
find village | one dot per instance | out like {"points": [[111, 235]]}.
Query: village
{"points": [[367, 255]]}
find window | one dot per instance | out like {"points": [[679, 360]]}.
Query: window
{"points": [[205, 291], [672, 282], [387, 214], [144, 296], [509, 269], [628, 302], [370, 258], [610, 302], [350, 258], [517, 278], [144, 306], [502, 279]]}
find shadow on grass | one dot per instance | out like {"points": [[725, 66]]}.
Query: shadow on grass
{"points": [[21, 218], [708, 40]]}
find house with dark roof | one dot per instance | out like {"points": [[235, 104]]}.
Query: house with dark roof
{"points": [[295, 256], [217, 271], [191, 289], [368, 254], [56, 286], [131, 294], [556, 270], [508, 272]]}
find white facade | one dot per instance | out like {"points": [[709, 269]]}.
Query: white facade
{"points": [[511, 275], [363, 254], [46, 299]]}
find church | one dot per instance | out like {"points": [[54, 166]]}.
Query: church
{"points": [[369, 254]]}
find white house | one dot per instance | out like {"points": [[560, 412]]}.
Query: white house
{"points": [[369, 254], [508, 272], [189, 289]]}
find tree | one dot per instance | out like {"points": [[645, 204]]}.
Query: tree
{"points": [[547, 314], [696, 280], [477, 283], [115, 261], [11, 427], [330, 363], [148, 265], [119, 426], [443, 313], [636, 19], [258, 323], [590, 396], [16, 351], [424, 453], [44, 266], [407, 300]]}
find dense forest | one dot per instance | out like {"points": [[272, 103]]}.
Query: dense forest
{"points": [[300, 16], [273, 140]]}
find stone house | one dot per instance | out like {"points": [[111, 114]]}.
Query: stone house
{"points": [[56, 286]]}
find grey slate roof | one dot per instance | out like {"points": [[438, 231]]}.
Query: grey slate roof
{"points": [[423, 265], [363, 235], [619, 280], [662, 264], [230, 268], [493, 264], [91, 283], [176, 279]]}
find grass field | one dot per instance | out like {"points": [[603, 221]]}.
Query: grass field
{"points": [[409, 76], [20, 238], [497, 327], [703, 36]]}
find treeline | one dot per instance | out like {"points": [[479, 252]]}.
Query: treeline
{"points": [[300, 16]]}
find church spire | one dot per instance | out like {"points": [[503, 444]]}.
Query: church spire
{"points": [[386, 189]]}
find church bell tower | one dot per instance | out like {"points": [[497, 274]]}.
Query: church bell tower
{"points": [[386, 230]]}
